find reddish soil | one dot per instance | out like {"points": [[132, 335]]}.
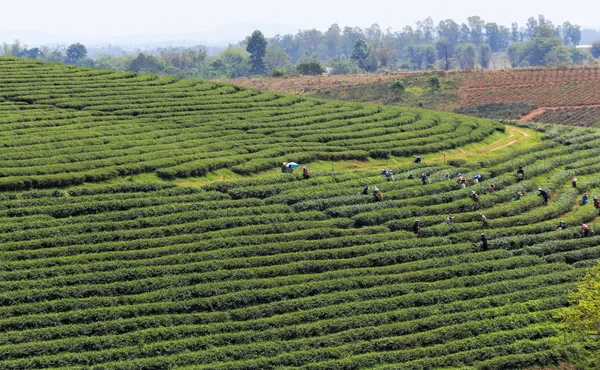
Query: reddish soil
{"points": [[310, 84], [539, 111], [544, 87]]}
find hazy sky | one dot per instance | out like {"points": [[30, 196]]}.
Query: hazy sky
{"points": [[104, 18]]}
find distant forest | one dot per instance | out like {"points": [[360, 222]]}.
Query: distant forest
{"points": [[447, 45]]}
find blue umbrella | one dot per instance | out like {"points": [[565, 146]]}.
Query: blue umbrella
{"points": [[293, 164]]}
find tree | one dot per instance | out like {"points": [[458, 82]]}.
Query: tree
{"points": [[466, 54], [571, 34], [429, 54], [515, 34], [498, 37], [539, 47], [581, 320], [235, 62], [545, 32], [310, 68], [361, 54], [373, 36], [179, 59], [54, 55], [516, 53], [277, 59], [397, 88], [33, 53], [386, 49], [465, 34], [504, 37], [13, 49], [558, 55], [422, 55], [485, 54], [450, 31], [257, 47], [476, 25], [426, 28], [332, 40], [434, 82], [289, 44], [595, 50], [532, 24], [493, 35], [350, 36], [445, 51], [74, 53], [579, 57], [341, 66], [118, 63], [146, 64], [311, 42]]}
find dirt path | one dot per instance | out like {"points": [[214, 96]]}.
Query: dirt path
{"points": [[542, 110], [512, 131], [503, 146], [515, 135], [534, 113]]}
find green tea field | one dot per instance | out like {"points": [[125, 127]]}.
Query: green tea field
{"points": [[145, 224]]}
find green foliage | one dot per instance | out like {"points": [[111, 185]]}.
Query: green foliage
{"points": [[581, 320], [146, 64], [467, 55], [434, 82], [277, 73], [233, 62], [362, 56], [571, 34], [397, 88], [485, 54], [277, 60], [543, 49], [595, 50], [257, 47], [344, 67], [516, 53], [372, 48], [75, 52], [310, 68]]}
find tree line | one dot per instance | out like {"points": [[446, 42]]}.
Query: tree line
{"points": [[447, 45]]}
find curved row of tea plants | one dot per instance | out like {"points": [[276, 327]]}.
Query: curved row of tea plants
{"points": [[272, 271], [65, 126], [277, 271]]}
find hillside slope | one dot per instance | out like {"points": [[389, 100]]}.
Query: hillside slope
{"points": [[62, 126], [507, 93], [273, 270]]}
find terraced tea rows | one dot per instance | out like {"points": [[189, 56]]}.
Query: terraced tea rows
{"points": [[63, 125], [273, 271], [284, 272]]}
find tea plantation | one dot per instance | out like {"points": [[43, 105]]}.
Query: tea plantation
{"points": [[273, 271]]}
